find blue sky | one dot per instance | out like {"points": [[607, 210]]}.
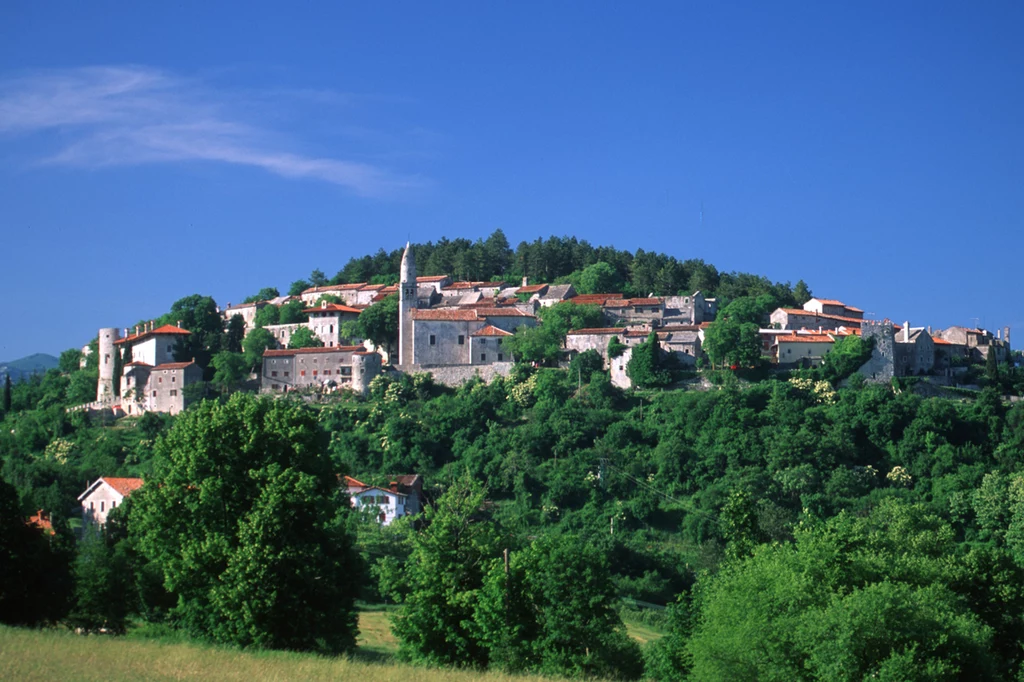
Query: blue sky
{"points": [[153, 150]]}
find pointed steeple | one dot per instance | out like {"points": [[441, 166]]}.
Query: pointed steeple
{"points": [[408, 272]]}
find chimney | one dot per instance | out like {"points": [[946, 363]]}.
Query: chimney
{"points": [[525, 281], [136, 330], [906, 331], [393, 486], [323, 304], [126, 332], [179, 324], [999, 333], [929, 330], [1006, 336]]}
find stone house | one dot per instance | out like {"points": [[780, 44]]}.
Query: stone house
{"points": [[581, 340], [949, 354], [978, 342], [247, 311], [151, 380], [351, 367], [826, 306], [160, 388], [445, 336], [914, 351], [634, 311], [403, 497], [104, 495], [556, 293], [798, 318], [326, 319]]}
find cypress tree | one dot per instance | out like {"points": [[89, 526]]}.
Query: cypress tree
{"points": [[991, 365]]}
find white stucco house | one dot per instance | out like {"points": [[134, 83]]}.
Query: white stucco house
{"points": [[104, 495], [403, 497]]}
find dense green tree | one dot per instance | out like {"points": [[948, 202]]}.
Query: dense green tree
{"points": [[298, 286], [852, 598], [304, 337], [266, 316], [379, 323], [801, 293], [551, 610], [443, 578], [645, 367], [244, 519], [317, 278], [292, 312], [728, 342], [35, 582], [69, 360], [264, 294], [230, 369], [102, 576], [198, 314], [234, 334], [7, 393], [991, 366], [258, 341], [599, 278]]}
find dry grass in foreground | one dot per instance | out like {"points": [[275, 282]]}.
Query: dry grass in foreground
{"points": [[52, 656]]}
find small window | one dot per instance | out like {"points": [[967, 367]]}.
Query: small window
{"points": [[287, 373], [154, 394], [113, 505], [92, 505], [174, 379], [168, 348], [275, 386], [462, 340], [327, 372], [501, 358], [101, 505], [173, 393], [159, 380], [314, 372], [273, 374], [302, 373], [483, 357], [433, 340]]}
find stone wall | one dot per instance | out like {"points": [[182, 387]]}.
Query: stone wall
{"points": [[456, 375], [881, 366]]}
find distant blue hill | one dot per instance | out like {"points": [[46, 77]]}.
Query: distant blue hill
{"points": [[27, 366]]}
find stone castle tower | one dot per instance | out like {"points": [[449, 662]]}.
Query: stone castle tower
{"points": [[407, 302], [105, 387], [881, 367]]}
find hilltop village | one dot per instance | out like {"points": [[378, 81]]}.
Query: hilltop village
{"points": [[455, 331]]}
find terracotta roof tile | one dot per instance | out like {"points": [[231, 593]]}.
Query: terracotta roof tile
{"points": [[805, 338], [174, 365], [431, 278], [445, 315], [490, 330], [332, 308], [284, 352], [165, 329], [531, 288], [598, 330], [645, 301], [125, 486]]}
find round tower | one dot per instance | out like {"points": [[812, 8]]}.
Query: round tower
{"points": [[105, 387], [407, 302], [365, 367]]}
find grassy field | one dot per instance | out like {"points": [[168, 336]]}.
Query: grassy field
{"points": [[51, 655]]}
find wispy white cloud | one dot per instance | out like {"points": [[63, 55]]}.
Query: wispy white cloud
{"points": [[131, 115]]}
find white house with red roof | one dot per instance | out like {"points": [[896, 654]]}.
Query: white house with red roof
{"points": [[402, 497], [152, 380], [104, 495]]}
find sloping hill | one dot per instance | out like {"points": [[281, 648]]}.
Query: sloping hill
{"points": [[22, 368]]}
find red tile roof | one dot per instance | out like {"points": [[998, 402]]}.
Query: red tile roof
{"points": [[353, 483], [501, 311], [474, 285], [284, 352], [446, 314], [165, 329], [174, 365], [598, 330], [823, 316], [329, 288], [531, 288], [125, 486], [805, 338], [490, 330], [431, 278], [828, 301], [592, 299], [852, 309], [42, 520], [332, 308], [943, 342], [645, 301], [137, 364]]}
